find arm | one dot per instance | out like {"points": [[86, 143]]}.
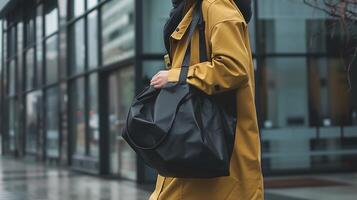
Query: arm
{"points": [[230, 61]]}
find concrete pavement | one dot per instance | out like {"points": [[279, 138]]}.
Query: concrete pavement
{"points": [[26, 180]]}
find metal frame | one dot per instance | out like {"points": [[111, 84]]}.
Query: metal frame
{"points": [[86, 74]]}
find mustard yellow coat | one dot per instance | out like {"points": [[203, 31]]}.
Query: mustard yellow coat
{"points": [[230, 67]]}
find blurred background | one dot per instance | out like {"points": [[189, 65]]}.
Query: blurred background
{"points": [[69, 70]]}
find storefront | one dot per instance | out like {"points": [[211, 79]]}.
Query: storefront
{"points": [[69, 70]]}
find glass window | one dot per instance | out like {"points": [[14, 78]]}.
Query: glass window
{"points": [[39, 23], [12, 77], [1, 53], [155, 14], [332, 102], [51, 20], [52, 59], [91, 3], [284, 93], [5, 47], [117, 31], [4, 24], [121, 93], [62, 5], [78, 7], [78, 115], [39, 64], [12, 42], [30, 69], [20, 36], [283, 25], [327, 36], [30, 31], [63, 63], [33, 108], [52, 122], [12, 124], [66, 133], [294, 27], [287, 148], [20, 30], [93, 116], [92, 31], [252, 31], [78, 48]]}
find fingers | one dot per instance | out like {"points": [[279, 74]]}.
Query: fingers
{"points": [[158, 83], [155, 76], [155, 82], [159, 79]]}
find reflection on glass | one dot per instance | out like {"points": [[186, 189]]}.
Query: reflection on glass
{"points": [[33, 109], [78, 48], [121, 93], [51, 21], [39, 23], [20, 40], [12, 125], [1, 48], [331, 101], [91, 3], [92, 39], [78, 115], [325, 36], [52, 125], [4, 47], [117, 30], [20, 36], [155, 14], [62, 5], [52, 59], [287, 148], [93, 116], [12, 41], [78, 7], [252, 31], [312, 30], [284, 92], [282, 20], [39, 64], [30, 31], [30, 69], [12, 77]]}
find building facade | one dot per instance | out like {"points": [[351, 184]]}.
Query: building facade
{"points": [[69, 70]]}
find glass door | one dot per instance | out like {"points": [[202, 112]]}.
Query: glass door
{"points": [[120, 92], [34, 140]]}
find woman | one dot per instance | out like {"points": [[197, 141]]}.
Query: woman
{"points": [[229, 67]]}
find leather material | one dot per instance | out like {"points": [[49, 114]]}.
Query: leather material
{"points": [[181, 131]]}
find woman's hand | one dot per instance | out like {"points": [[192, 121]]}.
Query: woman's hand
{"points": [[159, 79]]}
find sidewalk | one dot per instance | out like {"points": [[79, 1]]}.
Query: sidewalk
{"points": [[23, 180], [20, 180], [313, 187]]}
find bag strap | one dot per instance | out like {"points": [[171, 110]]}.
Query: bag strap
{"points": [[197, 20], [202, 35]]}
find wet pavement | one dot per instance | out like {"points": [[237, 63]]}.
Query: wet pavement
{"points": [[27, 180], [341, 186], [21, 180]]}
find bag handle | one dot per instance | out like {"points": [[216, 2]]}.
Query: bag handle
{"points": [[197, 20]]}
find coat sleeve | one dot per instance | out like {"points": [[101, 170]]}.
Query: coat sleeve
{"points": [[230, 60]]}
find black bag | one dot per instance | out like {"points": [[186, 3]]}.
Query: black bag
{"points": [[179, 130]]}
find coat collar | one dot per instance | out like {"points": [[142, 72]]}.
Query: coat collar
{"points": [[184, 24]]}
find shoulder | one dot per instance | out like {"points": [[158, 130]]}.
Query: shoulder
{"points": [[217, 11]]}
